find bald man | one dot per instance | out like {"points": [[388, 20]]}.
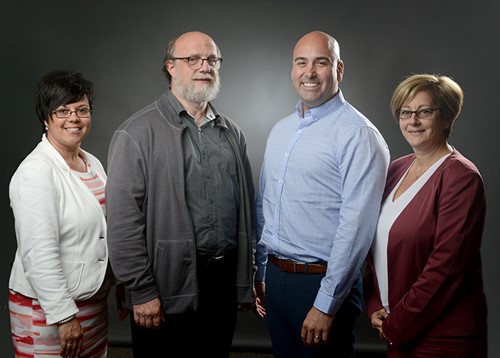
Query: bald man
{"points": [[320, 189], [180, 211]]}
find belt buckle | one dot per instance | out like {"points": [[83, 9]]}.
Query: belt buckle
{"points": [[281, 265]]}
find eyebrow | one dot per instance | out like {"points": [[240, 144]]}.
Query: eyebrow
{"points": [[198, 55], [421, 106], [314, 59]]}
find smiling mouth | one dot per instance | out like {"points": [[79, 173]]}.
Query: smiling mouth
{"points": [[310, 84], [73, 129]]}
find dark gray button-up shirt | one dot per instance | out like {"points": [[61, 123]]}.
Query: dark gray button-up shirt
{"points": [[212, 188]]}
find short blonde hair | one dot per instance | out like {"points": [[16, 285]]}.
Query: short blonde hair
{"points": [[446, 94]]}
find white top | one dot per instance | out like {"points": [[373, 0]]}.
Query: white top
{"points": [[62, 253], [389, 212]]}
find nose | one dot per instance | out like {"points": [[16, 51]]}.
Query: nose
{"points": [[414, 119], [205, 67], [73, 116], [311, 69]]}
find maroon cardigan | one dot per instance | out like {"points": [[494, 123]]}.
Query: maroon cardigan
{"points": [[434, 262]]}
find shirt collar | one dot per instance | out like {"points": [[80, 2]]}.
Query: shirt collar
{"points": [[210, 115], [316, 113]]}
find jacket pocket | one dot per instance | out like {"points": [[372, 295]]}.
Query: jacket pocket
{"points": [[73, 272]]}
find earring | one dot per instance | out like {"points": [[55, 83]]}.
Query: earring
{"points": [[46, 129]]}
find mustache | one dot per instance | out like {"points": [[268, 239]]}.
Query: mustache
{"points": [[204, 77]]}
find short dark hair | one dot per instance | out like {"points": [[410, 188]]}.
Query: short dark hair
{"points": [[57, 88]]}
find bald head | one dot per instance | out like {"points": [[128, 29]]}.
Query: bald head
{"points": [[194, 39], [320, 39]]}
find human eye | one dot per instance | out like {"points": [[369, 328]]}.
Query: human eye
{"points": [[424, 112], [300, 62], [322, 62], [212, 60], [62, 111], [194, 60], [405, 113], [83, 111]]}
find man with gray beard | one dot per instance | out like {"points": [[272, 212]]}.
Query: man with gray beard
{"points": [[180, 211]]}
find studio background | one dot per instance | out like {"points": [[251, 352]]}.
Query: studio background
{"points": [[119, 45]]}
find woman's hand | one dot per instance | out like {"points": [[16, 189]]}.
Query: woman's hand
{"points": [[377, 318], [71, 336]]}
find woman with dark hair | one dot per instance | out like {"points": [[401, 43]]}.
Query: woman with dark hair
{"points": [[423, 285], [60, 277]]}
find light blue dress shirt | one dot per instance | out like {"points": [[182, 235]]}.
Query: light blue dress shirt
{"points": [[320, 190]]}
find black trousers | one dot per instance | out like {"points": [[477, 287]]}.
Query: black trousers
{"points": [[210, 329]]}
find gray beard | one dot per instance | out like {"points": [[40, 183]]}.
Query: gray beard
{"points": [[206, 94]]}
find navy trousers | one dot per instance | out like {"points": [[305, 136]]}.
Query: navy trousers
{"points": [[289, 297]]}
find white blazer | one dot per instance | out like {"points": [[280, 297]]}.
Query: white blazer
{"points": [[62, 252]]}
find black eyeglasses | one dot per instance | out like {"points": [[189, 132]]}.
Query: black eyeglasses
{"points": [[196, 62], [420, 113], [66, 113]]}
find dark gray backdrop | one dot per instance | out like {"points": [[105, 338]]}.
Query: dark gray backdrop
{"points": [[120, 44]]}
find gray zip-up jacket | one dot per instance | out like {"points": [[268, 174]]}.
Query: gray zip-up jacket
{"points": [[150, 233]]}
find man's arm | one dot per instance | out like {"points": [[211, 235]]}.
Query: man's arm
{"points": [[125, 195], [364, 168]]}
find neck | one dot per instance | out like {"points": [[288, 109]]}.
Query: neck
{"points": [[424, 161], [68, 153], [197, 110]]}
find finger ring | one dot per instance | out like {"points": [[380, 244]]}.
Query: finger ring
{"points": [[316, 337]]}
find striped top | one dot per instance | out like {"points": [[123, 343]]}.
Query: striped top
{"points": [[94, 183]]}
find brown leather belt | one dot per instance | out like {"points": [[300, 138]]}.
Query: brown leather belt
{"points": [[297, 267]]}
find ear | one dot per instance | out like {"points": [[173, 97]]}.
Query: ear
{"points": [[340, 70], [169, 65]]}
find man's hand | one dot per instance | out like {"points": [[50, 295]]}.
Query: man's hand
{"points": [[149, 314], [316, 327], [260, 293]]}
